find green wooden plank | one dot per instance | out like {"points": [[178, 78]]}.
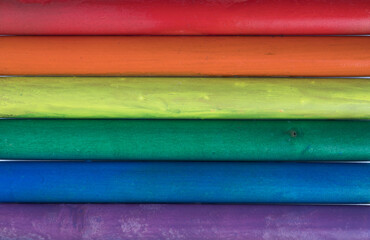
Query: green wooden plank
{"points": [[184, 140]]}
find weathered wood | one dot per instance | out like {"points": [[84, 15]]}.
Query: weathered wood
{"points": [[190, 98], [174, 222], [184, 182], [185, 56], [184, 140]]}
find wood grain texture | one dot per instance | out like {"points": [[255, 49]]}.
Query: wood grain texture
{"points": [[189, 98], [178, 221], [184, 140], [184, 182], [185, 56], [177, 17]]}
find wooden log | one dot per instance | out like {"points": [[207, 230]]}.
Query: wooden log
{"points": [[184, 182], [184, 98], [185, 56], [184, 140], [176, 17], [173, 222]]}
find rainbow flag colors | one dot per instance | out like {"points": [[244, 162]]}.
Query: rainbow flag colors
{"points": [[184, 119]]}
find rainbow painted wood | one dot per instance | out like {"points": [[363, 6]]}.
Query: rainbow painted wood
{"points": [[189, 98]]}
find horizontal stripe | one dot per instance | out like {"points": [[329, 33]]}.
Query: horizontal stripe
{"points": [[190, 98], [202, 17], [184, 182], [184, 140], [185, 56], [173, 222]]}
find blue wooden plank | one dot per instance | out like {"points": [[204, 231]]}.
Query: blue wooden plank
{"points": [[208, 182]]}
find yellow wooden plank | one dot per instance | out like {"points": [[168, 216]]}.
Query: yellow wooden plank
{"points": [[188, 98]]}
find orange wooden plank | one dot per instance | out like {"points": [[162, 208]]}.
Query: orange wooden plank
{"points": [[185, 56]]}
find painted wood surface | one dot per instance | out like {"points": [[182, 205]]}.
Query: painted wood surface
{"points": [[177, 17], [185, 56], [189, 98], [173, 222], [184, 140], [184, 182]]}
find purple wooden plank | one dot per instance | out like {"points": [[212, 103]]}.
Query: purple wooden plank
{"points": [[148, 221]]}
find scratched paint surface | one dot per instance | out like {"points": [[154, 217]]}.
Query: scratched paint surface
{"points": [[184, 140], [191, 98], [174, 222]]}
